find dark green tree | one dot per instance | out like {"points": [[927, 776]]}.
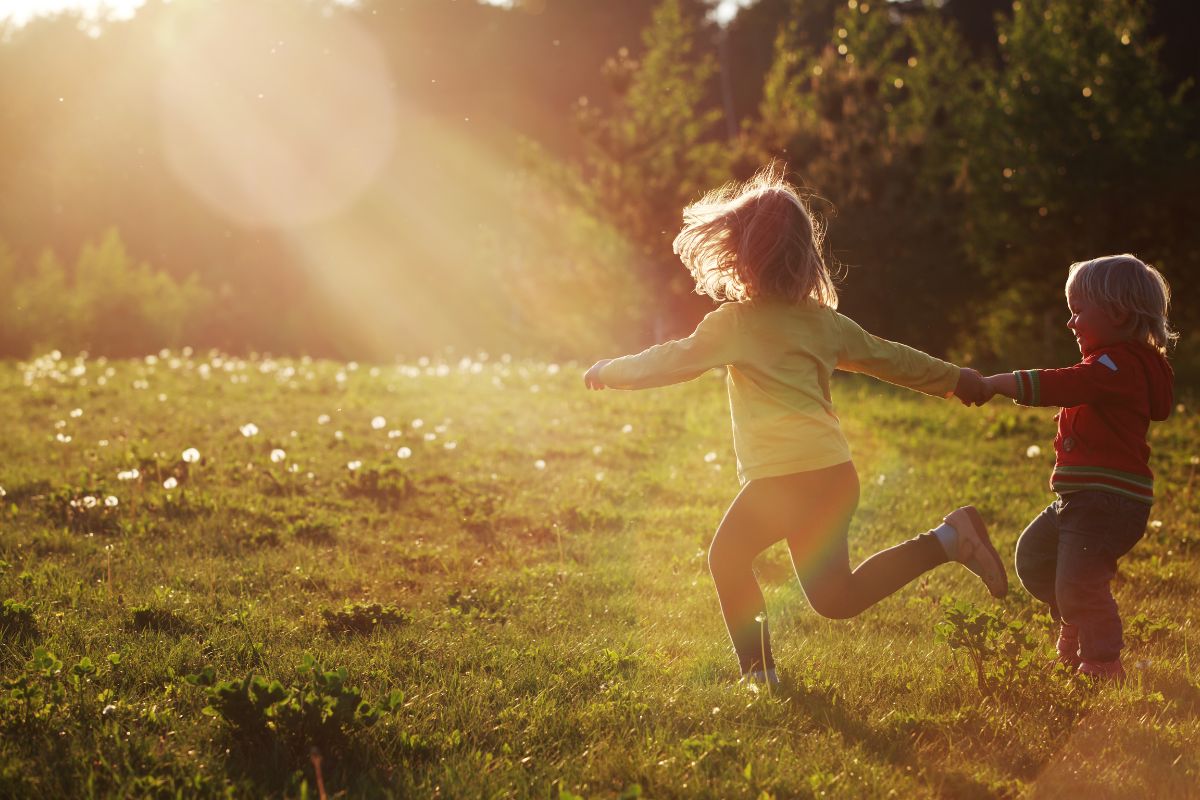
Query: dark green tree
{"points": [[656, 149], [1076, 150]]}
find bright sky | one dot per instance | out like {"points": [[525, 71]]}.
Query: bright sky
{"points": [[19, 12]]}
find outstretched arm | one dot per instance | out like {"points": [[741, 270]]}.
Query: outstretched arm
{"points": [[591, 378], [1005, 383]]}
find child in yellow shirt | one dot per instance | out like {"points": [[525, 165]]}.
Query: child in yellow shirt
{"points": [[780, 336]]}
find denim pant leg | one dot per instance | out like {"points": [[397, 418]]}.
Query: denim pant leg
{"points": [[1095, 529], [1036, 559]]}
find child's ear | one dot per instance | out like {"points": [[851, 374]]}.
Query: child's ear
{"points": [[1121, 317]]}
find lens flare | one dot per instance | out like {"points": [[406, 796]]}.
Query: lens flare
{"points": [[272, 120]]}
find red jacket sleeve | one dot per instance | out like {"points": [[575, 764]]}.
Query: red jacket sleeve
{"points": [[1103, 377]]}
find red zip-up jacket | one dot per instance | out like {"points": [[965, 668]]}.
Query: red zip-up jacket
{"points": [[1108, 400]]}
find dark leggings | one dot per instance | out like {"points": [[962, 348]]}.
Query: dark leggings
{"points": [[811, 511]]}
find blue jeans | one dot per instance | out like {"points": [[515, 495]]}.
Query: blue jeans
{"points": [[1067, 558]]}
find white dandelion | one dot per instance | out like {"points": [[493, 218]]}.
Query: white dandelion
{"points": [[1156, 524], [354, 465], [111, 501], [539, 464], [90, 502], [249, 429], [404, 452], [418, 423], [170, 483], [379, 423], [129, 474], [76, 413], [710, 457], [278, 455], [323, 419], [191, 455], [1033, 451], [627, 428]]}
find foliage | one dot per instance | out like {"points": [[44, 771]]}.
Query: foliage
{"points": [[320, 710], [656, 148], [1077, 150], [106, 304], [364, 618]]}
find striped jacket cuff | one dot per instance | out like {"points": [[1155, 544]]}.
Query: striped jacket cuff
{"points": [[1029, 387]]}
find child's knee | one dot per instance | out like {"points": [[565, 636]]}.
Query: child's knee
{"points": [[832, 606]]}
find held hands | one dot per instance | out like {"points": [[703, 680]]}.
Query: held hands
{"points": [[973, 389], [591, 378]]}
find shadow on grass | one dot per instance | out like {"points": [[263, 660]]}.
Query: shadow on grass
{"points": [[821, 703]]}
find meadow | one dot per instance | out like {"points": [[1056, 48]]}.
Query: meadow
{"points": [[470, 577]]}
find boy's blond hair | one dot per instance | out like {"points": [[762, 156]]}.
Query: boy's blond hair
{"points": [[755, 239], [1125, 284]]}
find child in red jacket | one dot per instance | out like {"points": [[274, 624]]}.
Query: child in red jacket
{"points": [[1067, 557]]}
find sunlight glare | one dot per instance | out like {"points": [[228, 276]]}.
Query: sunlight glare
{"points": [[270, 121]]}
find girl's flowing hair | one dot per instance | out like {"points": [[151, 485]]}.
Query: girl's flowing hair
{"points": [[1126, 284], [756, 239]]}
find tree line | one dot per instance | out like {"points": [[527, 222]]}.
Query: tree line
{"points": [[964, 154]]}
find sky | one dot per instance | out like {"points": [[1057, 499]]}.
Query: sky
{"points": [[19, 12]]}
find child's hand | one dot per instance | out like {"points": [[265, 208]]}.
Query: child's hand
{"points": [[972, 389], [591, 378]]}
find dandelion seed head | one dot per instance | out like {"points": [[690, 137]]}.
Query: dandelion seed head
{"points": [[353, 465], [111, 501], [378, 423], [418, 423], [429, 437], [339, 435], [710, 457], [278, 455], [191, 455], [1156, 524], [90, 502], [323, 419], [76, 413], [170, 483], [249, 429], [404, 452], [129, 475], [627, 428], [1033, 451], [539, 464]]}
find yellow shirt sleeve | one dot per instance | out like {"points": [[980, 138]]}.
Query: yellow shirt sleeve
{"points": [[712, 344], [859, 351]]}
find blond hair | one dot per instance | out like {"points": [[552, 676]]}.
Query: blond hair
{"points": [[1124, 284], [755, 239]]}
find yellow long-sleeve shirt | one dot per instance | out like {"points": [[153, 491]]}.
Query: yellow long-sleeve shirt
{"points": [[780, 357]]}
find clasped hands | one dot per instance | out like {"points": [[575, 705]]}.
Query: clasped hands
{"points": [[973, 389]]}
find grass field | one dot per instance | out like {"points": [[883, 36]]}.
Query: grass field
{"points": [[475, 579]]}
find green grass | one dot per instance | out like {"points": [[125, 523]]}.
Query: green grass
{"points": [[529, 613]]}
